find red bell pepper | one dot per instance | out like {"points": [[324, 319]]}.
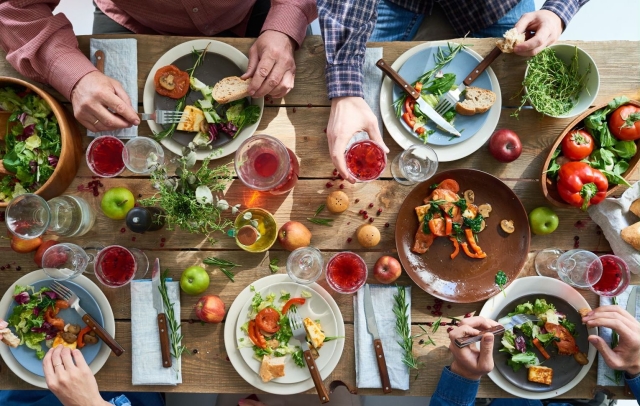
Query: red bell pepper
{"points": [[81, 335], [580, 185], [456, 248]]}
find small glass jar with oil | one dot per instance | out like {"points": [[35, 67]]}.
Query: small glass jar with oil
{"points": [[255, 230]]}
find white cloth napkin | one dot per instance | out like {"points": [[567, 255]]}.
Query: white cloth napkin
{"points": [[145, 347], [121, 64], [367, 374], [373, 82], [612, 215], [606, 376]]}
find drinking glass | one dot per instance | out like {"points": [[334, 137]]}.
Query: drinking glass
{"points": [[141, 154], [615, 276], [346, 272], [65, 261], [578, 268], [304, 265], [116, 266], [29, 216], [104, 156], [263, 163], [365, 158], [416, 164]]}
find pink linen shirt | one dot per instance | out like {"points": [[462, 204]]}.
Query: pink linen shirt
{"points": [[43, 47]]}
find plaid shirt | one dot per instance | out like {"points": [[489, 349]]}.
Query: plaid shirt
{"points": [[347, 24]]}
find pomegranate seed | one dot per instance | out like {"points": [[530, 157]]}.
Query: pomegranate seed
{"points": [[340, 176], [329, 184], [133, 238], [429, 324], [163, 239], [386, 225], [361, 211], [101, 185], [95, 193], [1, 268], [428, 307], [342, 186], [371, 220], [379, 212], [449, 329], [370, 205], [122, 230], [294, 109], [348, 222], [466, 316], [18, 268], [448, 306], [325, 130], [309, 105], [357, 200], [335, 171], [139, 195], [365, 216], [349, 239], [161, 244], [364, 212]]}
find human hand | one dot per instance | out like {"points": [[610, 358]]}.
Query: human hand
{"points": [[547, 26], [271, 65], [469, 362], [348, 116], [626, 356], [94, 95], [69, 378]]}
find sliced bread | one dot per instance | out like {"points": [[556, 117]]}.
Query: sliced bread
{"points": [[511, 39], [631, 235], [230, 89], [635, 207], [476, 101]]}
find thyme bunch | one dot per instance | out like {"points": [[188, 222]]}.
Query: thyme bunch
{"points": [[400, 309], [175, 334]]}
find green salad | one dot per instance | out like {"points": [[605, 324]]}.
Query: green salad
{"points": [[32, 144]]}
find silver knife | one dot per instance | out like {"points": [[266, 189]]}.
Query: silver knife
{"points": [[372, 327], [162, 318], [631, 308], [424, 106]]}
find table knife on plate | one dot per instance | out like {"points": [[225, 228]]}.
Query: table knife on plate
{"points": [[424, 106], [631, 308], [372, 327], [158, 304]]}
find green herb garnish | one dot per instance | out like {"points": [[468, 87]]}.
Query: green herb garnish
{"points": [[501, 281], [273, 265], [321, 221], [319, 209], [401, 310], [436, 325]]}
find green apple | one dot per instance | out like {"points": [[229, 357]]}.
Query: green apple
{"points": [[543, 221], [117, 202], [194, 280]]}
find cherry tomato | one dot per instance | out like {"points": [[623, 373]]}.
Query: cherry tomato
{"points": [[437, 227], [624, 123], [295, 300], [577, 145], [449, 184], [171, 82], [267, 320]]}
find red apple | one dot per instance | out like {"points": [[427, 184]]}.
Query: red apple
{"points": [[210, 309], [294, 235], [505, 145], [387, 269]]}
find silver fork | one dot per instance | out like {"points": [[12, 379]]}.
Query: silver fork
{"points": [[300, 334], [506, 323], [73, 300], [163, 116]]}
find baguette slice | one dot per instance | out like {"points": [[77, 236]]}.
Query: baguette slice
{"points": [[7, 337], [271, 368], [635, 207], [230, 89], [511, 39], [631, 235], [476, 101], [540, 374]]}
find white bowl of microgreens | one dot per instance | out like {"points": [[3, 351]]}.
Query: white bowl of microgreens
{"points": [[561, 81]]}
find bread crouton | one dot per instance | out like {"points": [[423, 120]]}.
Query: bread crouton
{"points": [[271, 368], [540, 374]]}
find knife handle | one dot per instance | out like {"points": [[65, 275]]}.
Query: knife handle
{"points": [[164, 340], [482, 66], [397, 79], [100, 60], [317, 379], [382, 366], [465, 341], [102, 333]]}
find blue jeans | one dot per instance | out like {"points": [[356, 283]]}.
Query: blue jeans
{"points": [[396, 23]]}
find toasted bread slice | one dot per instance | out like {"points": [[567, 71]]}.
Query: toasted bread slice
{"points": [[476, 101], [314, 332], [7, 337], [511, 39], [230, 89], [635, 207], [584, 311], [631, 235], [192, 117], [540, 374], [271, 368]]}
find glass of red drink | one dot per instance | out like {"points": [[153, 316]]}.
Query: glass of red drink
{"points": [[615, 276], [104, 156], [346, 272], [264, 163], [116, 266], [365, 160]]}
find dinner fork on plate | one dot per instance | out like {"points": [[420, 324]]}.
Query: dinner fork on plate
{"points": [[163, 116], [74, 301], [300, 334], [506, 323]]}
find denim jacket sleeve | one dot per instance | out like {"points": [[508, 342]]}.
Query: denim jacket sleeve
{"points": [[454, 390], [120, 401], [634, 385]]}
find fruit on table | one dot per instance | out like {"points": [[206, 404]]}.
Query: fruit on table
{"points": [[293, 235], [23, 246], [543, 220], [577, 145], [505, 145], [194, 280], [210, 309], [368, 235], [117, 202], [387, 269], [41, 249]]}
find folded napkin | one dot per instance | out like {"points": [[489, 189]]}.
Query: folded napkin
{"points": [[612, 215], [606, 376], [367, 375], [121, 64], [145, 347]]}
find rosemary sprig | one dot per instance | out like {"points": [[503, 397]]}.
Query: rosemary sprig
{"points": [[322, 206], [400, 309], [321, 221], [436, 325], [175, 335], [224, 265], [273, 265]]}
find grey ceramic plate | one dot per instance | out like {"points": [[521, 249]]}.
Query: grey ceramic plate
{"points": [[565, 368]]}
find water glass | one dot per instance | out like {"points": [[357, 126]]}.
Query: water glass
{"points": [[304, 265], [416, 164], [64, 261], [142, 154]]}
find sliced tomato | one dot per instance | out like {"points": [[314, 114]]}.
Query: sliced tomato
{"points": [[448, 224], [251, 330], [171, 82], [449, 184], [294, 301], [262, 343], [437, 227], [624, 123], [267, 320]]}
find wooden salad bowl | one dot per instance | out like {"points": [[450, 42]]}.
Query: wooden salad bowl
{"points": [[549, 189], [71, 150]]}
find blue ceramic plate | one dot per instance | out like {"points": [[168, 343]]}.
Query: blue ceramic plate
{"points": [[461, 65], [27, 357]]}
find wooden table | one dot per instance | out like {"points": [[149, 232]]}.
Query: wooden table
{"points": [[299, 121]]}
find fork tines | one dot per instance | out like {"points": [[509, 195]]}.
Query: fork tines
{"points": [[61, 290], [294, 318]]}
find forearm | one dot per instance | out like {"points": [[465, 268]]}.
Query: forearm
{"points": [[346, 27], [42, 46], [565, 9], [291, 17], [453, 389]]}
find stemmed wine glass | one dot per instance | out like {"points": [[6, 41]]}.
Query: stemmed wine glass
{"points": [[304, 265], [416, 164], [142, 154], [578, 268]]}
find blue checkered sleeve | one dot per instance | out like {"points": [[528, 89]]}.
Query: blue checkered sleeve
{"points": [[121, 400], [346, 27], [565, 9]]}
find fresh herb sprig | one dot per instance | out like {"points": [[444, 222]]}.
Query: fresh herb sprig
{"points": [[175, 334], [224, 265], [436, 325], [319, 209], [273, 265], [501, 281], [403, 329], [321, 221]]}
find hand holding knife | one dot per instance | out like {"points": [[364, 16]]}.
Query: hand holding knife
{"points": [[162, 318], [372, 327]]}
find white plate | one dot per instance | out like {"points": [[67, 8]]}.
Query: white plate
{"points": [[445, 153], [168, 58], [315, 307], [530, 286], [241, 366], [89, 286]]}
